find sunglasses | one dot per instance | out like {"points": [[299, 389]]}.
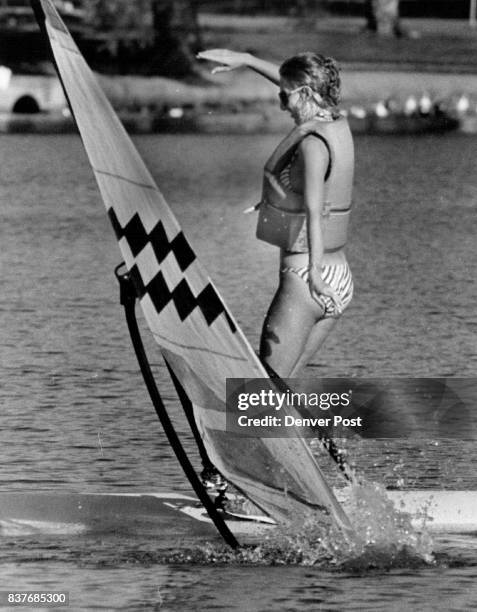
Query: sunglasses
{"points": [[285, 95]]}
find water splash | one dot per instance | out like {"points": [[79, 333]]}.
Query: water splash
{"points": [[384, 538], [385, 534]]}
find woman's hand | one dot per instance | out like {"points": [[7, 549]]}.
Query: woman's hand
{"points": [[230, 60], [318, 289]]}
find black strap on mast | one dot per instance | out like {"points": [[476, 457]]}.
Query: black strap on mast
{"points": [[128, 300]]}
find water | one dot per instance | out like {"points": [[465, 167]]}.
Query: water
{"points": [[75, 415]]}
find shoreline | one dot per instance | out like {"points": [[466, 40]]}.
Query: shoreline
{"points": [[360, 85], [239, 123], [242, 102]]}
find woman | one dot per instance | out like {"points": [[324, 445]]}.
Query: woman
{"points": [[305, 207]]}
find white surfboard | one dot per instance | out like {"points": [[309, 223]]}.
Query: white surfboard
{"points": [[443, 511], [176, 515]]}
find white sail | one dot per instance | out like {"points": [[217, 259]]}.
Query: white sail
{"points": [[194, 330]]}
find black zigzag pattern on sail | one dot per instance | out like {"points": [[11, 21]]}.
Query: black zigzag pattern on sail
{"points": [[184, 300], [138, 238]]}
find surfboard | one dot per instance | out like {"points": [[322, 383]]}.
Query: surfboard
{"points": [[175, 515], [161, 515], [443, 511]]}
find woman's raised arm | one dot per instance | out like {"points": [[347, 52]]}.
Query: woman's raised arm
{"points": [[231, 60]]}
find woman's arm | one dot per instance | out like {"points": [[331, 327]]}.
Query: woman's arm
{"points": [[315, 161], [231, 60]]}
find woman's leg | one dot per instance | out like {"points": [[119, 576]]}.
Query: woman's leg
{"points": [[289, 325], [317, 336], [341, 280]]}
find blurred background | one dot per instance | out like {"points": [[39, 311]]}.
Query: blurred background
{"points": [[408, 65], [162, 36]]}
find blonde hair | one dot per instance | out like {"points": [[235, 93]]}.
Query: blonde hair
{"points": [[318, 72]]}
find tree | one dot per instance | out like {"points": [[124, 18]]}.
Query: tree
{"points": [[176, 36], [144, 36], [383, 17]]}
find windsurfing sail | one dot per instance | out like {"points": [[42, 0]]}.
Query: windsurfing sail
{"points": [[195, 332]]}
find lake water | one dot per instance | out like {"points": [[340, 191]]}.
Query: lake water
{"points": [[75, 413]]}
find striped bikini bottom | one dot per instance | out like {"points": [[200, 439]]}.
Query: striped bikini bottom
{"points": [[338, 277]]}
